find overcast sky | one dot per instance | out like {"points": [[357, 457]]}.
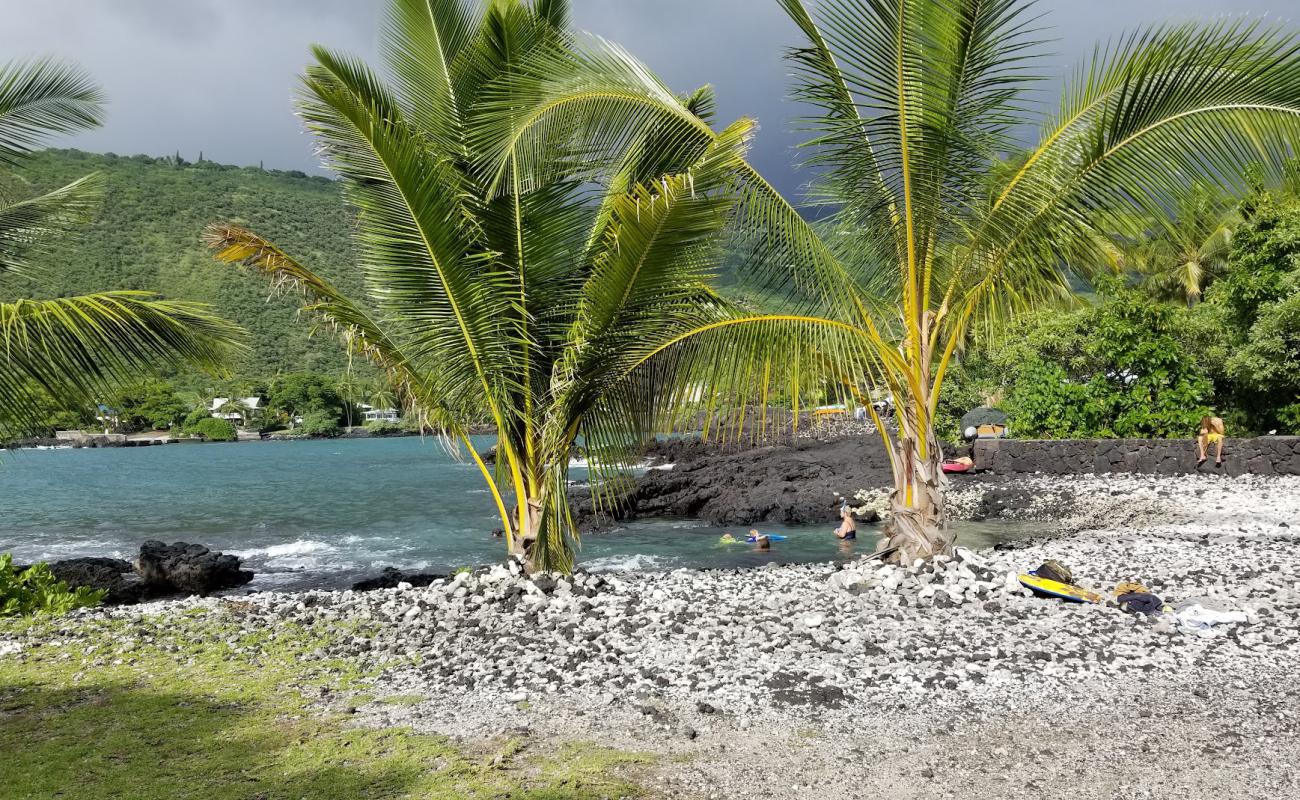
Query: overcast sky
{"points": [[218, 75]]}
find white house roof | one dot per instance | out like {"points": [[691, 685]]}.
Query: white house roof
{"points": [[251, 403]]}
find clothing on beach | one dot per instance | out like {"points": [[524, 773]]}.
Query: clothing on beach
{"points": [[1141, 603]]}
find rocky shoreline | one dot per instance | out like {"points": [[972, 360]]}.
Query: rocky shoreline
{"points": [[864, 680]]}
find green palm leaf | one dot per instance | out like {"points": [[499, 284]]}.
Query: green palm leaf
{"points": [[42, 98], [68, 352], [76, 348]]}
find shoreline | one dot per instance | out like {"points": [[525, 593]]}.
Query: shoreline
{"points": [[793, 680]]}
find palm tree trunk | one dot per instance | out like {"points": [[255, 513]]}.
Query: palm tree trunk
{"points": [[918, 526], [524, 544]]}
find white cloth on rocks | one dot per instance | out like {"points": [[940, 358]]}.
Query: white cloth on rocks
{"points": [[1200, 615]]}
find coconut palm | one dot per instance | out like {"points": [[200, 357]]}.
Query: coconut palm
{"points": [[942, 236], [66, 352], [1183, 253], [532, 296], [234, 405]]}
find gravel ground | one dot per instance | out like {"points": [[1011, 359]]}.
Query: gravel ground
{"points": [[945, 680]]}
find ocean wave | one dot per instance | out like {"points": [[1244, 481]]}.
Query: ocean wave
{"points": [[630, 562], [302, 554], [28, 552]]}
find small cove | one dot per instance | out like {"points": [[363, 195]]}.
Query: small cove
{"points": [[324, 513]]}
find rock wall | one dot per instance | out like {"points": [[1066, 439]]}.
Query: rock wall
{"points": [[1266, 455]]}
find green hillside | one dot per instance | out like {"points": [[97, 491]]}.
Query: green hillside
{"points": [[148, 236]]}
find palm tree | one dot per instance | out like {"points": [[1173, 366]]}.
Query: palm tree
{"points": [[516, 281], [380, 395], [1181, 254], [67, 351], [234, 405], [349, 391], [917, 99], [936, 235]]}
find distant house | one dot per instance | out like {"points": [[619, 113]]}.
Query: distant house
{"points": [[108, 417], [373, 414], [221, 408]]}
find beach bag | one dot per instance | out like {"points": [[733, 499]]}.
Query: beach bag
{"points": [[1054, 570]]}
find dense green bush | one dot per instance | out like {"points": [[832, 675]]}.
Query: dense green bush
{"points": [[320, 423], [306, 394], [1255, 345], [214, 430], [149, 405], [197, 415], [378, 428], [1119, 367], [36, 591]]}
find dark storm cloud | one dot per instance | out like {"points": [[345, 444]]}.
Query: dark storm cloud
{"points": [[217, 75]]}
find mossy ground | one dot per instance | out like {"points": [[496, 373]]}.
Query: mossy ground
{"points": [[196, 707]]}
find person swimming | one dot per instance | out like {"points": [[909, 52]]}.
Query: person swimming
{"points": [[761, 541], [727, 538], [848, 529]]}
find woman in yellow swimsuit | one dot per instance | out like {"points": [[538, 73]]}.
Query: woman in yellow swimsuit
{"points": [[1211, 433]]}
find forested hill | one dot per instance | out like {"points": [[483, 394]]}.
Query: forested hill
{"points": [[148, 235]]}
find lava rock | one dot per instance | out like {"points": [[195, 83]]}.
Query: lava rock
{"points": [[112, 575], [390, 577], [183, 568]]}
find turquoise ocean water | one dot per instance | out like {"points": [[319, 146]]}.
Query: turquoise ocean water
{"points": [[323, 513]]}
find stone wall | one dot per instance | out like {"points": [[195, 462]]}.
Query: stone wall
{"points": [[1266, 455]]}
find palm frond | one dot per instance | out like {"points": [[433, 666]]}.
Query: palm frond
{"points": [[75, 349], [359, 332], [417, 241], [27, 226], [422, 40], [42, 98]]}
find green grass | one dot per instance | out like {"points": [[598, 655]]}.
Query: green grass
{"points": [[203, 709]]}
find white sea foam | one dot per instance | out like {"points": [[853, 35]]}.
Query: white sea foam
{"points": [[631, 562], [303, 554], [299, 547]]}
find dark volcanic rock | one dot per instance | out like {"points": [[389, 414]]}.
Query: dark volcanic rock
{"points": [[391, 576], [187, 569], [113, 575], [793, 484]]}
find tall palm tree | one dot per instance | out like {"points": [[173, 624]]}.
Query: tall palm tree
{"points": [[70, 350], [350, 392], [530, 295], [935, 234]]}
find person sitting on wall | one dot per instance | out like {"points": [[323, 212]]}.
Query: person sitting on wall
{"points": [[1211, 433]]}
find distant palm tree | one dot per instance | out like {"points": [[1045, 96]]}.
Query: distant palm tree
{"points": [[349, 392], [529, 296], [236, 406], [380, 394], [1181, 254], [65, 352], [938, 237]]}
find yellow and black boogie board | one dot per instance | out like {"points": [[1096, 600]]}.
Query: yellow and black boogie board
{"points": [[1065, 591]]}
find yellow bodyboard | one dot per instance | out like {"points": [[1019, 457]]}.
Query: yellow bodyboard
{"points": [[1064, 591]]}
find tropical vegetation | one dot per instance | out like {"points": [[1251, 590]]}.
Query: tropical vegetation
{"points": [[520, 280], [35, 590], [1140, 361], [65, 352], [944, 224]]}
